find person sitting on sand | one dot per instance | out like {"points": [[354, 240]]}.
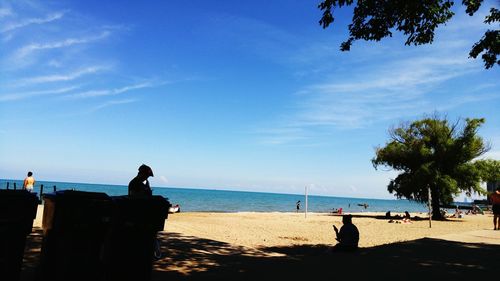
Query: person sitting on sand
{"points": [[139, 186], [337, 211], [458, 213], [443, 213], [495, 201], [407, 217], [348, 236]]}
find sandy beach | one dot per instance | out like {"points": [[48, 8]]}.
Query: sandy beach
{"points": [[279, 229], [257, 230], [227, 245]]}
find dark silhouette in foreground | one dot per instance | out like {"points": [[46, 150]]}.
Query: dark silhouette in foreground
{"points": [[194, 258], [139, 186], [17, 211], [495, 200], [348, 236], [92, 236]]}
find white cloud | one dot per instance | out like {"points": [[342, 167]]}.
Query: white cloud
{"points": [[283, 135], [54, 63], [492, 154], [110, 92], [15, 25], [28, 94], [31, 48], [466, 99], [163, 179], [5, 12], [112, 103], [61, 77], [384, 91], [390, 91]]}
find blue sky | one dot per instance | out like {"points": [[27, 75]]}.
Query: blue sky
{"points": [[246, 95]]}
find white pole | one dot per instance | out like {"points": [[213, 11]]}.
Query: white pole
{"points": [[305, 214], [430, 205]]}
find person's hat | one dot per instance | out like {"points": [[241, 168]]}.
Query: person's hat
{"points": [[146, 169]]}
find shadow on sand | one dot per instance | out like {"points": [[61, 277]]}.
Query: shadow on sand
{"points": [[193, 258]]}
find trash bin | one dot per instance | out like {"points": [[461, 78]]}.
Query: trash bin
{"points": [[74, 226], [129, 246], [17, 212]]}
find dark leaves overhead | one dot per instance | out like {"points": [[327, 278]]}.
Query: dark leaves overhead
{"points": [[374, 20]]}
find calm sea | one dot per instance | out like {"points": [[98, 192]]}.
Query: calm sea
{"points": [[204, 200]]}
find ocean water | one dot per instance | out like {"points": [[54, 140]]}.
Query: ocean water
{"points": [[205, 200]]}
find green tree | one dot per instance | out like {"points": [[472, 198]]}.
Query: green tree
{"points": [[431, 153], [489, 169], [417, 19]]}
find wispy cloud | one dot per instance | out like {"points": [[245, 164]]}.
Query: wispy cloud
{"points": [[26, 22], [164, 179], [494, 154], [62, 77], [111, 92], [5, 12], [28, 94], [388, 91], [467, 99], [112, 103], [393, 90], [29, 49], [278, 136]]}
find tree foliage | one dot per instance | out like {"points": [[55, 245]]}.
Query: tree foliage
{"points": [[432, 153], [489, 169], [374, 20]]}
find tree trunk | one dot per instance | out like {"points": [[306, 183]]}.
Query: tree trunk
{"points": [[436, 210]]}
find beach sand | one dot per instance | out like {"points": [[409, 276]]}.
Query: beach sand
{"points": [[258, 229], [279, 229], [199, 245]]}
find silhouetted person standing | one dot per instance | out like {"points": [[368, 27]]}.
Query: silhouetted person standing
{"points": [[29, 182], [348, 236], [298, 206], [495, 201], [139, 186]]}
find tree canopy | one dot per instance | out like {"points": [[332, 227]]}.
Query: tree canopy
{"points": [[489, 169], [376, 19], [432, 153]]}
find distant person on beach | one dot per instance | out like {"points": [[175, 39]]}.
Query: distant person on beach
{"points": [[407, 217], [29, 182], [139, 186], [348, 236], [388, 215], [495, 201], [364, 205], [298, 206], [458, 213]]}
